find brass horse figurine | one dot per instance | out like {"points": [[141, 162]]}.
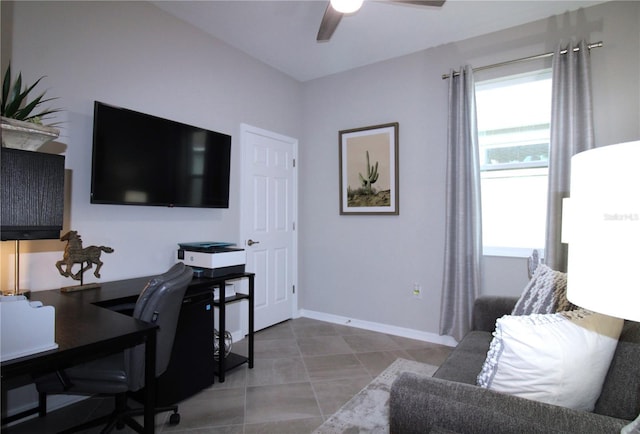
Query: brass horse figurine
{"points": [[75, 254]]}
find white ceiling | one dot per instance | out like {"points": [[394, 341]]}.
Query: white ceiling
{"points": [[283, 33]]}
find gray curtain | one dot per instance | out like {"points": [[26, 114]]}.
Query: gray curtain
{"points": [[571, 132], [463, 237]]}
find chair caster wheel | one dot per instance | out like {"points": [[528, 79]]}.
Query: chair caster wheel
{"points": [[174, 419]]}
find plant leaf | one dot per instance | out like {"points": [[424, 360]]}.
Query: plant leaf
{"points": [[44, 114], [14, 99], [14, 110], [15, 103], [6, 85], [24, 112]]}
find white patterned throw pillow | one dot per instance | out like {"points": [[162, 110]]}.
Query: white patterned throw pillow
{"points": [[559, 358], [546, 292]]}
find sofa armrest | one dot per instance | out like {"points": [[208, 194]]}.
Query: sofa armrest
{"points": [[420, 404], [487, 309]]}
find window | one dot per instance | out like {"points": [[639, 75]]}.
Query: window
{"points": [[513, 132]]}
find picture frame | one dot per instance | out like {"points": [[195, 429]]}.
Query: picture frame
{"points": [[369, 170]]}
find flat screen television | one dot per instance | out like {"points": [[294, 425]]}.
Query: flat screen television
{"points": [[140, 159]]}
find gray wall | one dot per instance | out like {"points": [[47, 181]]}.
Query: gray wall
{"points": [[364, 267], [361, 267], [132, 54]]}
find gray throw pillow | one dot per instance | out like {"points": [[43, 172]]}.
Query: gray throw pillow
{"points": [[546, 292]]}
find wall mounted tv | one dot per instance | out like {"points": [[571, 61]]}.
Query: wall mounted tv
{"points": [[139, 159]]}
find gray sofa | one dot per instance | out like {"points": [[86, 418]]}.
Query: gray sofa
{"points": [[450, 401]]}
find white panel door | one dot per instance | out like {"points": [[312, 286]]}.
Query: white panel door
{"points": [[269, 214]]}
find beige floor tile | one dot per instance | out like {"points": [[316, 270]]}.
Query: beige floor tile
{"points": [[333, 394], [362, 343], [277, 371], [280, 403], [304, 371], [378, 361], [296, 426], [334, 367], [323, 345]]}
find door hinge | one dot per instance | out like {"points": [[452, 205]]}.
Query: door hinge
{"points": [[293, 225], [294, 162], [294, 289]]}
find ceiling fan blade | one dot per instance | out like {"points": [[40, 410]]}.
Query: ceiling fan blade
{"points": [[437, 3], [329, 23]]}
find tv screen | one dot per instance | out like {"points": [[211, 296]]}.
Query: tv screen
{"points": [[140, 159]]}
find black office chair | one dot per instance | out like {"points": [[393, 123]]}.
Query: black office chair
{"points": [[123, 373]]}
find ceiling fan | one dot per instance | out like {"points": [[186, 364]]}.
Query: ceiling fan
{"points": [[337, 8]]}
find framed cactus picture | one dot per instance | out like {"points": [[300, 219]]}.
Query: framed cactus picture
{"points": [[369, 170]]}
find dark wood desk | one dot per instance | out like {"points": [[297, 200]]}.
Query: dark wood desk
{"points": [[113, 293], [84, 332], [86, 329]]}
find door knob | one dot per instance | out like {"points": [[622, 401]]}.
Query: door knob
{"points": [[251, 242]]}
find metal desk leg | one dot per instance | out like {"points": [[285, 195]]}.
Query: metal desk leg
{"points": [[251, 324], [150, 382], [221, 337]]}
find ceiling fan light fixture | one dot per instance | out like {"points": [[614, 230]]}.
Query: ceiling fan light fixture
{"points": [[346, 6]]}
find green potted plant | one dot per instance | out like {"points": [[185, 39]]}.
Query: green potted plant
{"points": [[21, 118]]}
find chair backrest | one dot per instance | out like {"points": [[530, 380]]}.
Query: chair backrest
{"points": [[159, 303], [154, 284]]}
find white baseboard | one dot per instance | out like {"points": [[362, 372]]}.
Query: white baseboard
{"points": [[381, 328]]}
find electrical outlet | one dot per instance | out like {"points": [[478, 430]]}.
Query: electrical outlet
{"points": [[417, 290]]}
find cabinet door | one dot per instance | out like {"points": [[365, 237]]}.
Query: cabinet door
{"points": [[191, 367]]}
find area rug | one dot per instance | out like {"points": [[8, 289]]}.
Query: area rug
{"points": [[368, 411]]}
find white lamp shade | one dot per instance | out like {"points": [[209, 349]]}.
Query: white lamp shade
{"points": [[603, 231]]}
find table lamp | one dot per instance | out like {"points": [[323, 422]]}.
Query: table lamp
{"points": [[31, 198], [602, 221]]}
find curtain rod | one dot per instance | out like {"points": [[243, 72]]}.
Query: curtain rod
{"points": [[524, 59]]}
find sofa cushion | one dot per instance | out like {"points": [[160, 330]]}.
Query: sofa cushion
{"points": [[560, 359], [418, 403], [488, 308], [620, 395], [546, 292], [465, 362]]}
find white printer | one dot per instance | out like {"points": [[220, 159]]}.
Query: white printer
{"points": [[26, 327], [216, 259]]}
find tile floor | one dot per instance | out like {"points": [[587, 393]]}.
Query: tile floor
{"points": [[304, 370]]}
